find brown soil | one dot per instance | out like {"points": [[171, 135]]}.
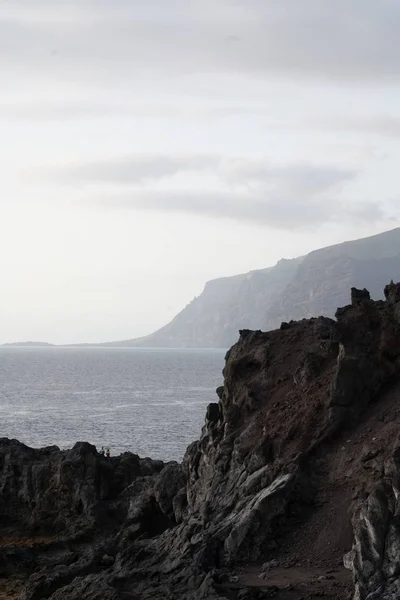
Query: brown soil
{"points": [[345, 468]]}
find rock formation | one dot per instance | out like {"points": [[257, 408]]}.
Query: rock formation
{"points": [[292, 490]]}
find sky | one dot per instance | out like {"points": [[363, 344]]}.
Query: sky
{"points": [[148, 147]]}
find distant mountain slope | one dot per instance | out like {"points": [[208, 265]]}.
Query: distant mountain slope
{"points": [[304, 287], [226, 305]]}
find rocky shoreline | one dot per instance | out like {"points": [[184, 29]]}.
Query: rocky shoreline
{"points": [[291, 491]]}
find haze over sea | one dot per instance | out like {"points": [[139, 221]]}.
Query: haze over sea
{"points": [[148, 401]]}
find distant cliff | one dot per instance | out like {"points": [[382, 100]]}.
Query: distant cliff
{"points": [[225, 306], [293, 289]]}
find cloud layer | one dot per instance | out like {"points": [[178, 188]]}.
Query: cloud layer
{"points": [[153, 145], [297, 196], [284, 212], [350, 41], [242, 171], [157, 50]]}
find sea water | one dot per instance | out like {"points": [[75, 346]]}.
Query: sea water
{"points": [[148, 401]]}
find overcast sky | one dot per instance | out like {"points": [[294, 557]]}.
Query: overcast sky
{"points": [[147, 147]]}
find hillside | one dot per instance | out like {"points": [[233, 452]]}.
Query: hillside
{"points": [[293, 289]]}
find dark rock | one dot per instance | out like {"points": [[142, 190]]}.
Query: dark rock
{"points": [[212, 414], [392, 293], [359, 296], [107, 560], [244, 333], [220, 391], [166, 487]]}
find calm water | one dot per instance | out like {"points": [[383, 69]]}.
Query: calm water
{"points": [[151, 402]]}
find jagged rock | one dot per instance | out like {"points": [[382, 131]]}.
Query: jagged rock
{"points": [[212, 414], [359, 296], [392, 293], [251, 524], [46, 489], [375, 557], [282, 464], [166, 487]]}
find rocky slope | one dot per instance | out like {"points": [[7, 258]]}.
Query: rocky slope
{"points": [[291, 491], [294, 289]]}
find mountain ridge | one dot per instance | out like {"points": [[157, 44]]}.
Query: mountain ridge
{"points": [[297, 288]]}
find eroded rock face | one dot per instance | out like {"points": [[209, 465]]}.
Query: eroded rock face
{"points": [[375, 556], [48, 490], [296, 446]]}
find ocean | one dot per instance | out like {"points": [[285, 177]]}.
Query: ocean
{"points": [[150, 402]]}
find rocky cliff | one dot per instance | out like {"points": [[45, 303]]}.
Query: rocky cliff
{"points": [[226, 305], [291, 491], [304, 287]]}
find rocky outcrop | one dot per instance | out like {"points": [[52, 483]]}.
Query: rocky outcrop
{"points": [[48, 490], [297, 466], [375, 556], [60, 512]]}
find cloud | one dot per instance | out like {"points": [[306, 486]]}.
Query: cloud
{"points": [[47, 111], [235, 171], [276, 211], [293, 196], [381, 125], [296, 179], [352, 41], [133, 170], [70, 110]]}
